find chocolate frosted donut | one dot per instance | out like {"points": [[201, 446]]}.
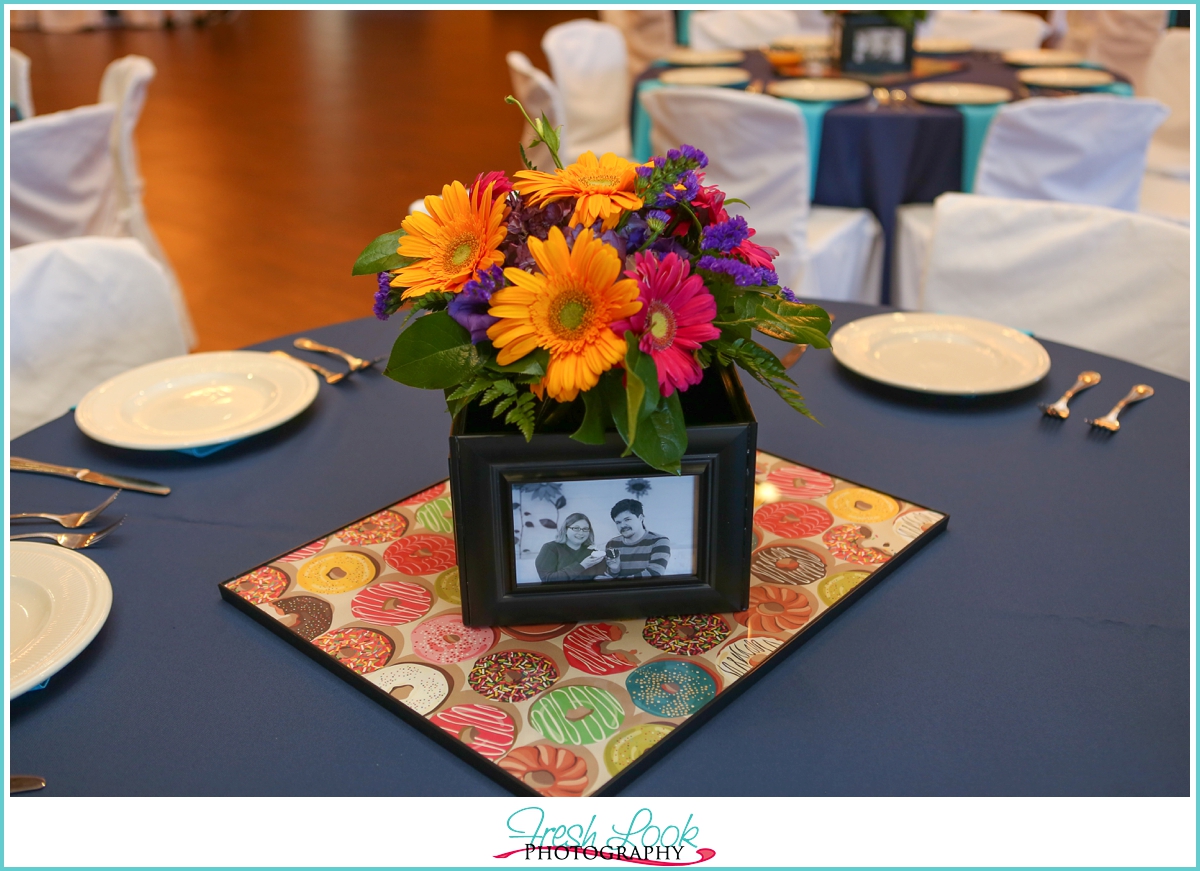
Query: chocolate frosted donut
{"points": [[260, 586], [738, 658], [690, 635], [360, 650], [420, 687], [512, 675], [312, 615], [787, 564], [380, 527], [536, 631]]}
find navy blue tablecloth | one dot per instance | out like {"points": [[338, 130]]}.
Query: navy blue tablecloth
{"points": [[1040, 646]]}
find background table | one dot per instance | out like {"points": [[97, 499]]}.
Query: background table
{"points": [[1040, 646]]}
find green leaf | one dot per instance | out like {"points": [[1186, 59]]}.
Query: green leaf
{"points": [[523, 414], [765, 368], [794, 322], [595, 419], [433, 353], [381, 256], [469, 390], [661, 438], [641, 385], [533, 364]]}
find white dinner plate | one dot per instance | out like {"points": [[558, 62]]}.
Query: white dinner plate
{"points": [[943, 354], [1042, 57], [1065, 77], [691, 57], [941, 45], [57, 603], [196, 400], [959, 93], [715, 76], [820, 90], [806, 43]]}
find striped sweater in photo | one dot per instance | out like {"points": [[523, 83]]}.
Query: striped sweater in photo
{"points": [[646, 558]]}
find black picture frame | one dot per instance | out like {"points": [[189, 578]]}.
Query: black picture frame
{"points": [[487, 460], [853, 24]]}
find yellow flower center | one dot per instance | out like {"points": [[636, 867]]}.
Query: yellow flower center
{"points": [[602, 181], [463, 251], [661, 321], [569, 316]]}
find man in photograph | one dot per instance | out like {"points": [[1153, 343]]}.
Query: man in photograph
{"points": [[636, 552]]}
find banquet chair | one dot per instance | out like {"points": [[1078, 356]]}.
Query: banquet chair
{"points": [[1168, 79], [81, 311], [649, 34], [988, 31], [1119, 40], [1105, 280], [539, 95], [750, 28], [18, 76], [75, 172], [1088, 149], [757, 149], [591, 69]]}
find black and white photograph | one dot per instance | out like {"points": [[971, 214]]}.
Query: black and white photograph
{"points": [[582, 530]]}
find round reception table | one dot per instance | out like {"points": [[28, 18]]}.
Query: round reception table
{"points": [[1039, 646]]}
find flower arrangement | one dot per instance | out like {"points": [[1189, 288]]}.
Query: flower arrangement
{"points": [[605, 283]]}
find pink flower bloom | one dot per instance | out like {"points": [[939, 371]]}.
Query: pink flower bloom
{"points": [[497, 178], [755, 254], [709, 206], [676, 316]]}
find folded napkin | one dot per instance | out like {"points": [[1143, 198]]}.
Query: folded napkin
{"points": [[207, 449]]}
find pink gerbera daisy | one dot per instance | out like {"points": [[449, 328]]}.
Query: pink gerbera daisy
{"points": [[676, 316]]}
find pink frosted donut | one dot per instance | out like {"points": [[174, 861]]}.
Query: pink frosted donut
{"points": [[260, 586], [584, 649], [304, 552], [800, 482], [484, 728], [391, 603], [446, 639], [426, 495]]}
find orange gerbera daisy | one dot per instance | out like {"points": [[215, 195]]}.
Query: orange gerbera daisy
{"points": [[603, 188], [458, 238], [567, 309]]}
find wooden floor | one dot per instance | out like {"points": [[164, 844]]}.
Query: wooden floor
{"points": [[276, 144]]}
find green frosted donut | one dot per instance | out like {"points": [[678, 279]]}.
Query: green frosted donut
{"points": [[671, 688], [632, 743], [577, 715]]}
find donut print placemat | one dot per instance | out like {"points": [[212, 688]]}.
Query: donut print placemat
{"points": [[572, 709]]}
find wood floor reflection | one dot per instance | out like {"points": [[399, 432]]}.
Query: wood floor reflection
{"points": [[276, 144]]}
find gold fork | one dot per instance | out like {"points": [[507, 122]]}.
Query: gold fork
{"points": [[70, 521], [1083, 382], [330, 377], [72, 540], [356, 364], [1137, 394]]}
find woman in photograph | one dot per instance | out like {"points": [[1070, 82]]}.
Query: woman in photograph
{"points": [[570, 556]]}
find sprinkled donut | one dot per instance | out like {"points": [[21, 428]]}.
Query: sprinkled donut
{"points": [[536, 631], [421, 554], [360, 650], [484, 728], [738, 658], [787, 564], [577, 715], [435, 515], [391, 603], [512, 675], [446, 639], [776, 609], [425, 495], [690, 635], [260, 586], [307, 616], [338, 572], [793, 519], [836, 586], [671, 687], [304, 552], [420, 687], [446, 586], [380, 527], [632, 743], [800, 482], [911, 524], [846, 543], [555, 772], [584, 649], [862, 505]]}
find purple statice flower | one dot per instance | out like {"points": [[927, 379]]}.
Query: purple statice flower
{"points": [[743, 274], [787, 293], [691, 152], [726, 235], [657, 220], [684, 190], [609, 237], [644, 171], [525, 221], [469, 307], [383, 296], [768, 275]]}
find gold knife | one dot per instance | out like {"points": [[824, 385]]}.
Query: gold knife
{"points": [[25, 783], [121, 482]]}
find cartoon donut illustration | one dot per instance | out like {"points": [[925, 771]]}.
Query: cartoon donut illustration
{"points": [[846, 543]]}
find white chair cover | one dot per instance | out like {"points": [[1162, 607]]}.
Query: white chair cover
{"points": [[83, 310], [649, 34], [21, 94], [590, 66], [1121, 40], [757, 149], [1168, 79], [988, 31], [1089, 149], [1167, 198], [1108, 281], [539, 95], [75, 173], [69, 20], [740, 28]]}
